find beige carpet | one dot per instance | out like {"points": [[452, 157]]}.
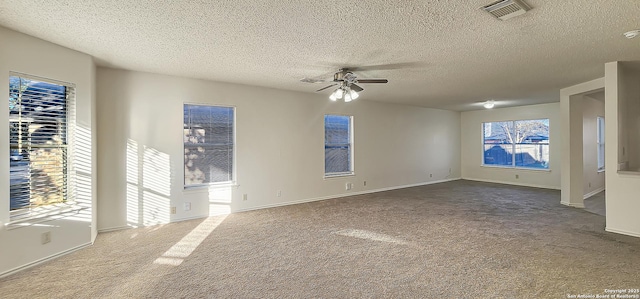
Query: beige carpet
{"points": [[452, 240], [596, 204]]}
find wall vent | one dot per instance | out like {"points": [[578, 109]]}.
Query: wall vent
{"points": [[507, 9]]}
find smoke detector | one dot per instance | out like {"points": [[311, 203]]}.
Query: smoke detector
{"points": [[507, 9], [631, 34]]}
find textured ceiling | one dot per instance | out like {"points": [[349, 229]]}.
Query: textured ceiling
{"points": [[441, 54]]}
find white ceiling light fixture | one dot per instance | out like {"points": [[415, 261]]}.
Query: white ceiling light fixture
{"points": [[346, 81], [631, 34], [344, 92], [489, 104], [354, 95], [347, 97]]}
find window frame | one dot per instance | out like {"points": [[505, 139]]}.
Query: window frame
{"points": [[44, 212], [351, 171], [513, 145], [233, 181], [600, 143]]}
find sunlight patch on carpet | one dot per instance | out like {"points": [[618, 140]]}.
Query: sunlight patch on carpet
{"points": [[369, 235], [178, 252]]}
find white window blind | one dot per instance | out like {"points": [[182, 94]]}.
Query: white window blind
{"points": [[40, 115], [337, 145], [208, 144], [600, 141]]}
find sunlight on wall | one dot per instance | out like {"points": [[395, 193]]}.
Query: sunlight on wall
{"points": [[369, 235], [83, 171], [148, 185], [80, 187], [156, 172], [220, 200], [156, 182], [133, 195], [181, 250], [155, 209]]}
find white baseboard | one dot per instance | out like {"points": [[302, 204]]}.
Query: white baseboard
{"points": [[574, 205], [117, 228], [113, 229], [622, 231], [189, 218], [341, 195], [42, 260], [594, 192], [512, 183]]}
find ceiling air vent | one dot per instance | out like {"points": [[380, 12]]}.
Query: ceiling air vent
{"points": [[507, 9]]}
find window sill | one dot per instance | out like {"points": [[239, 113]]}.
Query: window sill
{"points": [[207, 187], [338, 175], [601, 170], [629, 172], [517, 168], [42, 214]]}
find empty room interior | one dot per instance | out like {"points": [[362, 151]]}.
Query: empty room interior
{"points": [[325, 149]]}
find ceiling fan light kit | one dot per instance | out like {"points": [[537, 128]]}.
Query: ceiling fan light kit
{"points": [[347, 88], [344, 92]]}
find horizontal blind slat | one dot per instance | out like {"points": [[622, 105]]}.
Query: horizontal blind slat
{"points": [[38, 132]]}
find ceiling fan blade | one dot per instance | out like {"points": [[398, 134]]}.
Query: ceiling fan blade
{"points": [[312, 80], [321, 89], [356, 88], [373, 80], [389, 66]]}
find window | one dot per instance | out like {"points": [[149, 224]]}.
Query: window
{"points": [[337, 145], [208, 144], [520, 143], [40, 116], [600, 142]]}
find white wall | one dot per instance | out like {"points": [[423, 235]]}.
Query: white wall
{"points": [[22, 53], [572, 145], [623, 188], [630, 115], [280, 147], [593, 179], [472, 149]]}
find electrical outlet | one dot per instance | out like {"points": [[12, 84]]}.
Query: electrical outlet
{"points": [[173, 210], [364, 183], [279, 193], [589, 185], [187, 206], [45, 238], [244, 197], [431, 175], [347, 186], [517, 176]]}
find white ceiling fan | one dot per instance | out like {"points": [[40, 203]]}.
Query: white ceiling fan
{"points": [[346, 81]]}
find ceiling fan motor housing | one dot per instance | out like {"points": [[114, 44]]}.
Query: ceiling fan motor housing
{"points": [[340, 76]]}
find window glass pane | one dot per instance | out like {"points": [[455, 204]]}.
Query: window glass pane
{"points": [[37, 142], [498, 137], [336, 159], [498, 154], [532, 143], [208, 144], [600, 141], [532, 155], [337, 144]]}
